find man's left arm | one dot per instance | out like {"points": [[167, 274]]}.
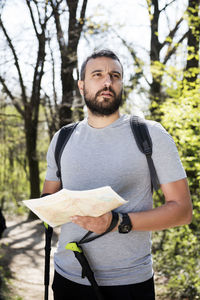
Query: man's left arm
{"points": [[176, 211]]}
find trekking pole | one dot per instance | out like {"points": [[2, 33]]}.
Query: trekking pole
{"points": [[86, 270], [48, 236]]}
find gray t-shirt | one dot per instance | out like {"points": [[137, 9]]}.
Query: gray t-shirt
{"points": [[94, 158]]}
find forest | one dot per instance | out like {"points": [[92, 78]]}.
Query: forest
{"points": [[40, 56]]}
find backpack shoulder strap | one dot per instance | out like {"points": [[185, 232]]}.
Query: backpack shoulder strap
{"points": [[63, 137], [62, 140], [144, 143]]}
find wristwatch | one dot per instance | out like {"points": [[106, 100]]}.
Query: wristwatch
{"points": [[125, 225]]}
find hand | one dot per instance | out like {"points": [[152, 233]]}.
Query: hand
{"points": [[94, 224]]}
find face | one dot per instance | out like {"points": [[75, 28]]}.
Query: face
{"points": [[102, 86]]}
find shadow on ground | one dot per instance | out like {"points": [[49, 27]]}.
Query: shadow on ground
{"points": [[22, 258]]}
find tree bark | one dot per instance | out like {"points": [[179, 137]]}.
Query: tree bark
{"points": [[68, 52], [155, 46], [31, 119], [31, 138], [193, 41]]}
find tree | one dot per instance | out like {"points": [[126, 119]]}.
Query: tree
{"points": [[28, 105], [181, 246], [149, 72], [192, 66], [180, 115], [68, 53], [171, 43]]}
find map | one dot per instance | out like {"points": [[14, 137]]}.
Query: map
{"points": [[56, 209]]}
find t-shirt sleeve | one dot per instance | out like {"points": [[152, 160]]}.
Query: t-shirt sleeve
{"points": [[51, 163], [165, 155]]}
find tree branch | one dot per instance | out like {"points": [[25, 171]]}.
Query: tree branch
{"points": [[82, 15], [168, 4], [11, 46], [10, 95], [60, 34], [172, 33], [173, 50], [83, 10], [32, 17], [38, 73], [133, 54], [55, 98], [75, 27]]}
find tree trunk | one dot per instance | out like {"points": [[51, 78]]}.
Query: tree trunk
{"points": [[31, 138], [68, 52], [68, 86], [155, 47], [32, 114], [193, 42]]}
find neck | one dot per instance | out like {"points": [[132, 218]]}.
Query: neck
{"points": [[102, 121]]}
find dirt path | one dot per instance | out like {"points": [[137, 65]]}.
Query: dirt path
{"points": [[23, 253]]}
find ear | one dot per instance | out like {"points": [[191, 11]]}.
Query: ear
{"points": [[80, 86]]}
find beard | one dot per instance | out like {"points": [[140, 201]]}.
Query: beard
{"points": [[107, 106]]}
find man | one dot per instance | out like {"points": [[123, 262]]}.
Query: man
{"points": [[102, 151]]}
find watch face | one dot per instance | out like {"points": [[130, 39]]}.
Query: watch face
{"points": [[124, 228]]}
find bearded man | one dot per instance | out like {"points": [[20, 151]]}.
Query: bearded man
{"points": [[102, 151]]}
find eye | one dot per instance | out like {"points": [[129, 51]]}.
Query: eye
{"points": [[116, 76], [97, 74]]}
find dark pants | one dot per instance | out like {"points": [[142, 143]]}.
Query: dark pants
{"points": [[65, 289]]}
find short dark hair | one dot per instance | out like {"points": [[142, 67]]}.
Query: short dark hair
{"points": [[102, 53]]}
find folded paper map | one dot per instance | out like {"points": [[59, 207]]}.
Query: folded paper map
{"points": [[56, 209]]}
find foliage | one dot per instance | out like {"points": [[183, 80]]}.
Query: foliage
{"points": [[14, 178], [176, 251], [13, 170], [178, 260]]}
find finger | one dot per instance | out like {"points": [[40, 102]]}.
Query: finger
{"points": [[81, 221]]}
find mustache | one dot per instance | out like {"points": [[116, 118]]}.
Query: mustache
{"points": [[106, 89]]}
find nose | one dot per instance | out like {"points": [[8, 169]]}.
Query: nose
{"points": [[107, 81]]}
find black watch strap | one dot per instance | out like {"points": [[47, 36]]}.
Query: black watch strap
{"points": [[114, 221], [125, 225], [45, 194]]}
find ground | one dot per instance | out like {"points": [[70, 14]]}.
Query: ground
{"points": [[23, 252], [22, 248]]}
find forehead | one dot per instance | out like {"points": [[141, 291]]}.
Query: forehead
{"points": [[105, 64]]}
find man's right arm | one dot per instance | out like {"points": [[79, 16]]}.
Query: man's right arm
{"points": [[51, 187]]}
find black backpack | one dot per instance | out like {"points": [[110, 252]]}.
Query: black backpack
{"points": [[144, 143], [140, 132]]}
